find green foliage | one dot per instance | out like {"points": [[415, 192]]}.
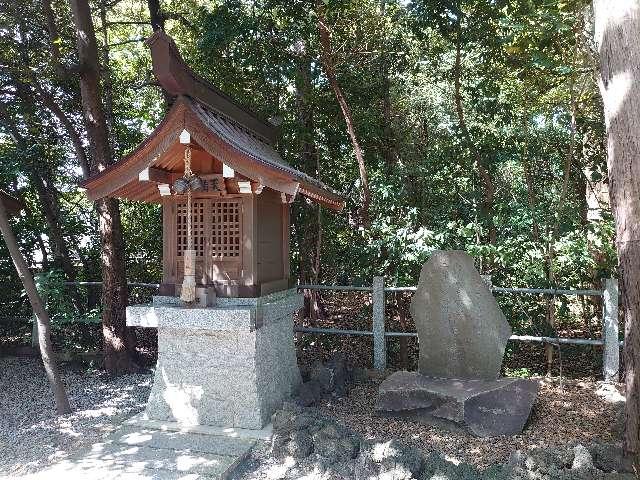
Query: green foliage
{"points": [[525, 68], [518, 372], [55, 294]]}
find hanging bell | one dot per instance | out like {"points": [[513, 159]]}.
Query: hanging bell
{"points": [[180, 186], [195, 183]]}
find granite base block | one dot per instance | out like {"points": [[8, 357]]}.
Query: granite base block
{"points": [[217, 367]]}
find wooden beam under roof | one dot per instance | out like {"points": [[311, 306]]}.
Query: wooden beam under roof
{"points": [[156, 175]]}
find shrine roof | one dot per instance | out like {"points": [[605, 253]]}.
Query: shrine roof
{"points": [[218, 126]]}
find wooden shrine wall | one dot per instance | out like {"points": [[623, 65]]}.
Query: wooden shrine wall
{"points": [[241, 240]]}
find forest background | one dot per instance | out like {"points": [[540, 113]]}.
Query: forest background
{"points": [[476, 126]]}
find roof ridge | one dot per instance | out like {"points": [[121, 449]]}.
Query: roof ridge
{"points": [[178, 78]]}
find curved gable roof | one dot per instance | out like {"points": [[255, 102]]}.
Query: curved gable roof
{"points": [[222, 138]]}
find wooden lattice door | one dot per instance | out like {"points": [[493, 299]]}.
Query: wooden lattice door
{"points": [[217, 237], [226, 230], [199, 229]]}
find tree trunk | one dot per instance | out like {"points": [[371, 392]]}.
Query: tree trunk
{"points": [[118, 342], [107, 85], [50, 103], [51, 209], [42, 318], [388, 147], [48, 196], [532, 200], [119, 345], [617, 33], [326, 57], [310, 240], [481, 165], [155, 15], [561, 206], [54, 37]]}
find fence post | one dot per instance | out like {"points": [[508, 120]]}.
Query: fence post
{"points": [[379, 342], [611, 349]]}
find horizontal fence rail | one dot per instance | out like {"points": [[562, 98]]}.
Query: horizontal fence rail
{"points": [[610, 325], [542, 291], [99, 284], [520, 338], [610, 329]]}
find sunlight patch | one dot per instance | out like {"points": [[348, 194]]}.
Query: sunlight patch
{"points": [[616, 92]]}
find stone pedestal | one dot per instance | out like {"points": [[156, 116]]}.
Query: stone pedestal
{"points": [[486, 408], [231, 365]]}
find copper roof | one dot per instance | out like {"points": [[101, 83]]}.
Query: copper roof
{"points": [[228, 132]]}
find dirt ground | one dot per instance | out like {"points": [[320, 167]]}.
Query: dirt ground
{"points": [[564, 412]]}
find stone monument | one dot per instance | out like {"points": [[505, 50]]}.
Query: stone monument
{"points": [[461, 328], [462, 335]]}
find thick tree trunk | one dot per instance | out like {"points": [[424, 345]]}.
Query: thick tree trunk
{"points": [[155, 15], [44, 330], [326, 57], [617, 25], [92, 108], [118, 344], [486, 206], [107, 85]]}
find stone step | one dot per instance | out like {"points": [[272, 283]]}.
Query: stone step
{"points": [[110, 462], [193, 442], [146, 454], [144, 459]]}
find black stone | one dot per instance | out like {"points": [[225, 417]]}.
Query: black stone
{"points": [[486, 407], [309, 393], [333, 376]]}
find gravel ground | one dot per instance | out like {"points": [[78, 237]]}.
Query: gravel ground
{"points": [[32, 436], [578, 411]]}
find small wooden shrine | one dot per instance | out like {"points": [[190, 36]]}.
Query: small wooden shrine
{"points": [[219, 157]]}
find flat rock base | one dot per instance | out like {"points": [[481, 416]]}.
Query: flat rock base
{"points": [[487, 408]]}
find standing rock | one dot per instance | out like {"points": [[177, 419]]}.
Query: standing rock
{"points": [[582, 459], [461, 330], [334, 376]]}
